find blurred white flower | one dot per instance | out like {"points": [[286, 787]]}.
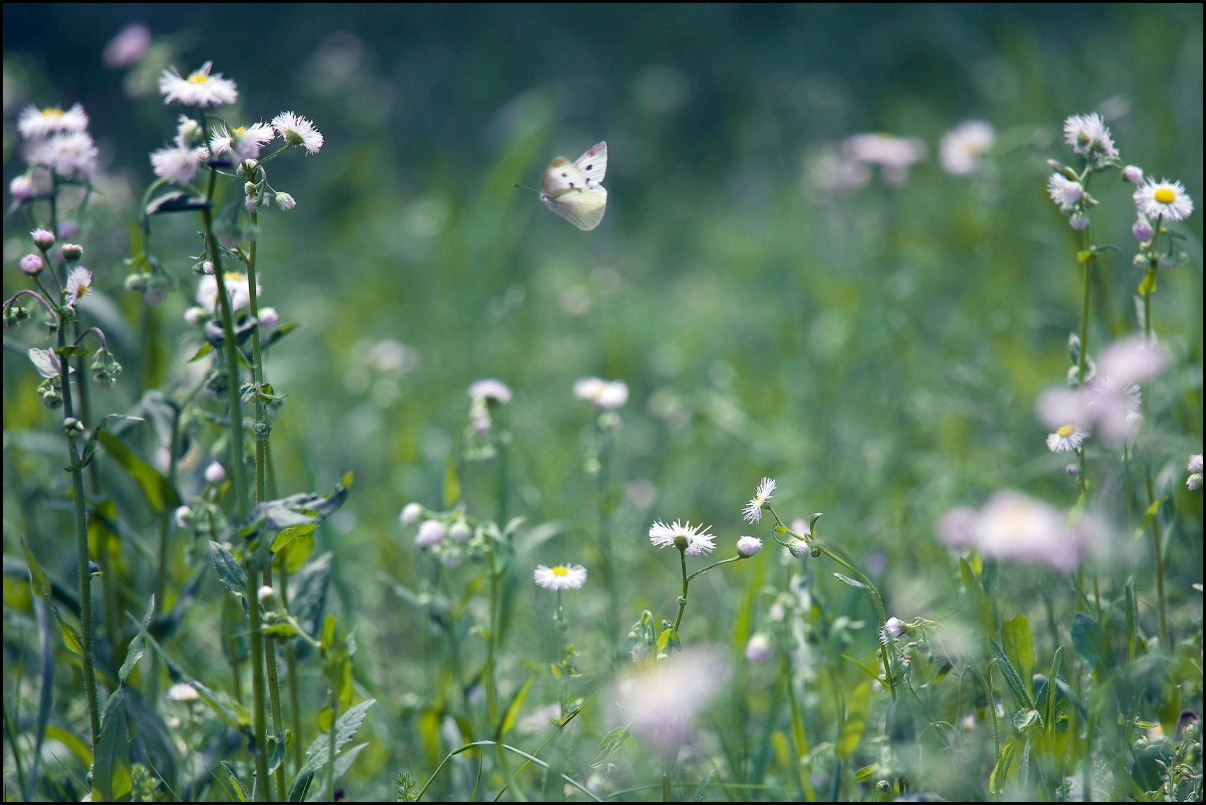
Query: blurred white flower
{"points": [[661, 703], [1088, 136], [961, 150], [178, 165], [748, 546], [238, 289], [602, 393], [38, 124], [758, 648], [894, 155], [297, 130], [431, 532], [127, 48], [1016, 527]]}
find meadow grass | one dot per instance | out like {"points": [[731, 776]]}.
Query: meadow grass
{"points": [[834, 465]]}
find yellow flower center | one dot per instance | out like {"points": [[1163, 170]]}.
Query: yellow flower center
{"points": [[53, 112], [1165, 195], [1066, 431], [560, 571], [198, 78]]}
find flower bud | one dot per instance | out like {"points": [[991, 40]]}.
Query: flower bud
{"points": [[42, 238], [72, 252]]}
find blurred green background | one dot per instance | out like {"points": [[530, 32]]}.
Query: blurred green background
{"points": [[878, 351]]}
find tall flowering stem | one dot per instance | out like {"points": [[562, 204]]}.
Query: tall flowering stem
{"points": [[818, 548]]}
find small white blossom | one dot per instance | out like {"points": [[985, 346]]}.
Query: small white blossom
{"points": [[297, 130], [560, 577], [691, 540], [182, 692], [1064, 191], [748, 546], [431, 532], [243, 142], [178, 165], [38, 124], [67, 153], [490, 389], [1163, 199], [892, 630], [602, 393], [753, 510], [199, 89], [79, 282], [410, 514], [1065, 438], [1089, 136], [962, 148], [758, 648]]}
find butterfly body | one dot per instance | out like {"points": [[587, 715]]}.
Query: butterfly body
{"points": [[574, 190]]}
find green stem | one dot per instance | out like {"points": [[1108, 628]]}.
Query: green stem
{"points": [[1157, 549], [79, 505], [682, 599]]}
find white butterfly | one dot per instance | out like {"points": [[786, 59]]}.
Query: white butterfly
{"points": [[574, 190]]}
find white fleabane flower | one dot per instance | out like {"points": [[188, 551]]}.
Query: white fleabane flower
{"points": [[183, 692], [178, 165], [962, 148], [661, 701], [892, 630], [237, 288], [490, 389], [691, 540], [1163, 199], [560, 577], [1134, 359], [894, 155], [79, 282], [1065, 438], [602, 393], [1016, 527], [199, 89], [297, 130], [1064, 191], [37, 124], [68, 153], [244, 142], [1195, 463], [1089, 136], [753, 510]]}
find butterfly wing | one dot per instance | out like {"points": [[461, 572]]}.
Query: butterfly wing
{"points": [[593, 164], [582, 206]]}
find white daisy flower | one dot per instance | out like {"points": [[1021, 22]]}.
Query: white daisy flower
{"points": [[560, 577], [1064, 191], [38, 124], [431, 532], [178, 165], [244, 142], [490, 389], [1089, 136], [68, 153], [892, 630], [1163, 199], [1066, 438], [691, 540], [199, 89], [79, 282], [237, 288], [961, 149], [297, 130], [753, 510], [602, 393]]}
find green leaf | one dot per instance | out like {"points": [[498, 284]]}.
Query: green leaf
{"points": [[858, 704], [851, 582], [1025, 719], [37, 577], [239, 790], [452, 483], [71, 638], [1001, 770], [301, 784], [668, 641], [160, 495], [230, 572], [1092, 642], [1016, 686], [1019, 646], [137, 646], [508, 720], [345, 729], [112, 778]]}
